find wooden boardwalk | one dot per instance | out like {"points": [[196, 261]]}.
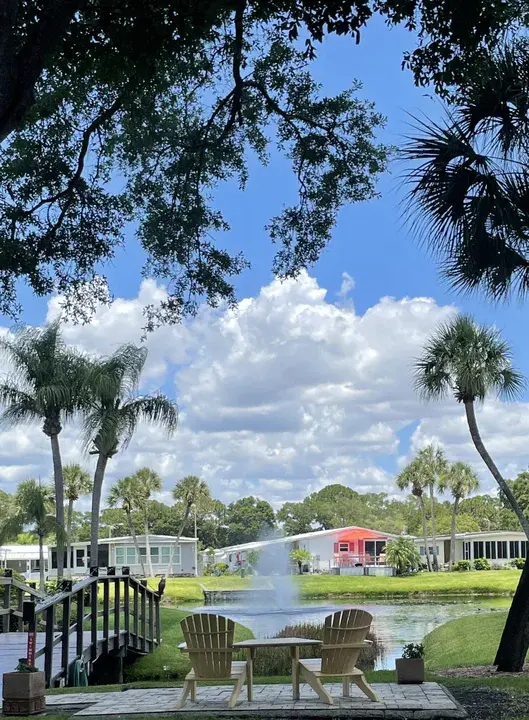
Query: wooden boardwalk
{"points": [[13, 646]]}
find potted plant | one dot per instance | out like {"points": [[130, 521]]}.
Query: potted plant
{"points": [[410, 667], [23, 690]]}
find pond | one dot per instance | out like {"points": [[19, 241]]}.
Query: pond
{"points": [[395, 622]]}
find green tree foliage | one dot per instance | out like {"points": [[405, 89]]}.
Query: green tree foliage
{"points": [[77, 482], [460, 480], [146, 482], [470, 361], [34, 510], [249, 519], [301, 557], [173, 98], [125, 493], [469, 178], [402, 554], [520, 490], [112, 414], [412, 478], [44, 386]]}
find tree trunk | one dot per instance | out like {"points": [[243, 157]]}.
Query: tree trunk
{"points": [[489, 462], [435, 562], [425, 534], [514, 642], [132, 530], [148, 546], [59, 499], [453, 534], [182, 526], [99, 477], [42, 572], [300, 567], [69, 563]]}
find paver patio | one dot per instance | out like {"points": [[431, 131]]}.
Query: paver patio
{"points": [[402, 702]]}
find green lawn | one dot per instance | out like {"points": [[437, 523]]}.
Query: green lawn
{"points": [[465, 642], [493, 582]]}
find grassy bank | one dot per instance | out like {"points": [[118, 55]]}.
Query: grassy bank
{"points": [[465, 642], [494, 582]]}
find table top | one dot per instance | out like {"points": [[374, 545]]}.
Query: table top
{"points": [[275, 642]]}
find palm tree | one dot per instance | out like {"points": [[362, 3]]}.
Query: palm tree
{"points": [[470, 361], [125, 493], [431, 465], [402, 555], [190, 490], [113, 413], [461, 481], [147, 482], [43, 386], [469, 182], [34, 507], [77, 482], [412, 477]]}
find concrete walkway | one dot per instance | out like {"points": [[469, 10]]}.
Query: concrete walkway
{"points": [[402, 702]]}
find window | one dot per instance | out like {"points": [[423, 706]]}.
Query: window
{"points": [[143, 553], [421, 550], [343, 547], [430, 549], [176, 555], [166, 554], [502, 549], [131, 555], [120, 556], [466, 551], [514, 549], [478, 549], [155, 555], [490, 550], [524, 548], [79, 558]]}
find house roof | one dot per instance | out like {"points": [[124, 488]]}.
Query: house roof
{"points": [[139, 538], [480, 534], [21, 552]]}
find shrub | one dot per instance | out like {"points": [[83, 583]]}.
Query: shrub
{"points": [[402, 555], [277, 661], [481, 564], [518, 563], [462, 566], [497, 566], [413, 651]]}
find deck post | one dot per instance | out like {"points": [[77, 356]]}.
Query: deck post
{"points": [[136, 629], [117, 608], [143, 618], [93, 618], [6, 621], [106, 613], [126, 609], [158, 626], [65, 640], [48, 652], [80, 623], [151, 621]]}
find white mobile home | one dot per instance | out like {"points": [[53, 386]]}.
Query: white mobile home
{"points": [[498, 546], [346, 550], [170, 555], [23, 559]]}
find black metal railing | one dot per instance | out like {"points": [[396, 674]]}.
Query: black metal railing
{"points": [[110, 614], [14, 593]]}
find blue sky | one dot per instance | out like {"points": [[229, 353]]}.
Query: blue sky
{"points": [[372, 245]]}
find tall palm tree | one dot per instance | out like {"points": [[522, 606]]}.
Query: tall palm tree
{"points": [[44, 386], [113, 413], [34, 508], [411, 477], [432, 465], [461, 481], [190, 490], [77, 482], [469, 182], [125, 493], [470, 361], [147, 482]]}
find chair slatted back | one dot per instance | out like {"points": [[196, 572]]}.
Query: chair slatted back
{"points": [[343, 639], [209, 640]]}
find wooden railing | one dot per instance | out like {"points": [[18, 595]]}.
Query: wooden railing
{"points": [[14, 593], [108, 615]]}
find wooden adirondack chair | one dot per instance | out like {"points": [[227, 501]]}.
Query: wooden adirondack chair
{"points": [[209, 640], [344, 635]]}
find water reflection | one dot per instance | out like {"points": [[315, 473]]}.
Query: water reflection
{"points": [[395, 623]]}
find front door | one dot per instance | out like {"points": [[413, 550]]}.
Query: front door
{"points": [[102, 555]]}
